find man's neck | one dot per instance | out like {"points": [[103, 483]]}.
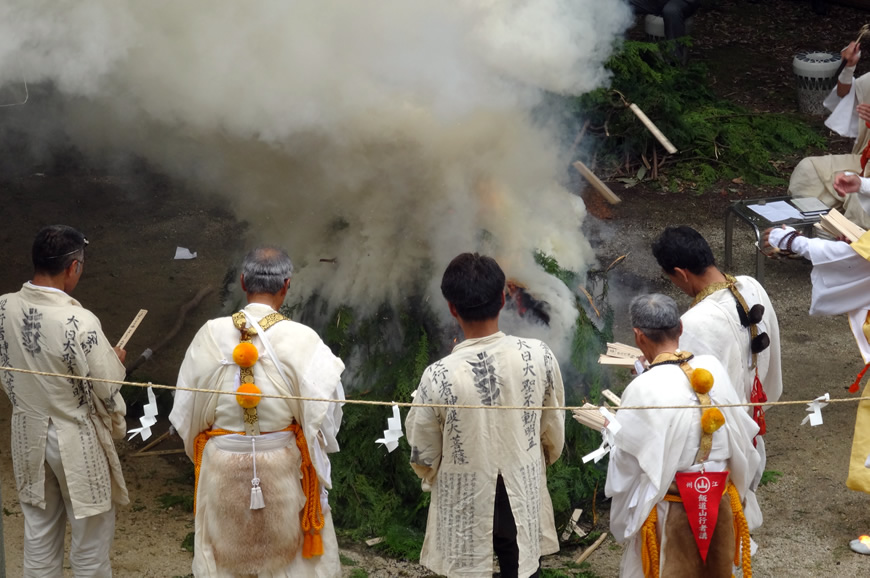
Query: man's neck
{"points": [[43, 280], [273, 301], [710, 276], [478, 329], [667, 347]]}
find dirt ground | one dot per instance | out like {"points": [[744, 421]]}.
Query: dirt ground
{"points": [[134, 223]]}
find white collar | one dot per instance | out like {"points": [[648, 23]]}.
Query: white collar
{"points": [[30, 285]]}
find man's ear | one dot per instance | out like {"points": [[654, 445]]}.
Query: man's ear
{"points": [[286, 286], [638, 336], [242, 281], [453, 311], [681, 329], [681, 274]]}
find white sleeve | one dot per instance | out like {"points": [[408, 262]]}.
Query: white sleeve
{"points": [[844, 116]]}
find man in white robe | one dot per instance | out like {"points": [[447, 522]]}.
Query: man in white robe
{"points": [[715, 324], [849, 103], [66, 465], [841, 285], [653, 445], [232, 539], [486, 469]]}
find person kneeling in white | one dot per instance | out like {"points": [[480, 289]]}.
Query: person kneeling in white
{"points": [[656, 448]]}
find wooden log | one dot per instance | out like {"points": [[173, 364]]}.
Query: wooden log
{"points": [[597, 183], [588, 551], [157, 453], [653, 128], [153, 442]]}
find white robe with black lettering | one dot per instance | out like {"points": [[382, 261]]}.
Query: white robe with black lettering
{"points": [[44, 329], [459, 453], [312, 370], [653, 445]]}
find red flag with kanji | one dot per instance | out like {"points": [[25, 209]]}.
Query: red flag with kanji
{"points": [[701, 493]]}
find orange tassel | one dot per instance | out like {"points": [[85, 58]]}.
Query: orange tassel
{"points": [[307, 546], [317, 545]]}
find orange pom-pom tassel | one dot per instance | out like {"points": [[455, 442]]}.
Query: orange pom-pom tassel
{"points": [[247, 401], [245, 354], [702, 380], [711, 420]]}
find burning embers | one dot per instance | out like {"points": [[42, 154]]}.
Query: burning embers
{"points": [[517, 297]]}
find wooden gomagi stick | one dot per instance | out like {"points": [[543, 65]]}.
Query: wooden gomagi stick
{"points": [[132, 328]]}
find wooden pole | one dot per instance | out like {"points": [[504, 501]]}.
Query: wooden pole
{"points": [[588, 551], [597, 183], [653, 128]]}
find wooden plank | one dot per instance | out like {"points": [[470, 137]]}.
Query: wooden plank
{"points": [[597, 183]]}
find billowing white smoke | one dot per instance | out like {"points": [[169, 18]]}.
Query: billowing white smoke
{"points": [[390, 135]]}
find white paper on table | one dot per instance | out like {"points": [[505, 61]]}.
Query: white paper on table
{"points": [[815, 409], [183, 253], [393, 431], [777, 211], [148, 419]]}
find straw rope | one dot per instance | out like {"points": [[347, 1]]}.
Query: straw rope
{"points": [[410, 404]]}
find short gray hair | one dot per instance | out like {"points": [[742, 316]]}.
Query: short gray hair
{"points": [[656, 316], [265, 269]]}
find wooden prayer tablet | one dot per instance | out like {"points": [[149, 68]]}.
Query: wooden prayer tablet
{"points": [[619, 354], [597, 183], [836, 225], [589, 416], [612, 397], [132, 328]]}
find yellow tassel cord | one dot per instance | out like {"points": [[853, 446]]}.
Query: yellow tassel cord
{"points": [[649, 543], [741, 533], [312, 514]]}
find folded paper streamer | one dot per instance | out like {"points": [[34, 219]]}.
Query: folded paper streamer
{"points": [[148, 419], [393, 431], [182, 253], [608, 434], [815, 409]]}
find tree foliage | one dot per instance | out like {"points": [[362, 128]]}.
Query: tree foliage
{"points": [[717, 139]]}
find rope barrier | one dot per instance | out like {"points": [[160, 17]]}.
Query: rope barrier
{"points": [[410, 404]]}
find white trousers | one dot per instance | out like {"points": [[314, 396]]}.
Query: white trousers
{"points": [[44, 530]]}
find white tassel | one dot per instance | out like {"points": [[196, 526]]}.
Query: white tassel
{"points": [[257, 502]]}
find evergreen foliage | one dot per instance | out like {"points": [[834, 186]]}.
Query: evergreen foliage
{"points": [[717, 139]]}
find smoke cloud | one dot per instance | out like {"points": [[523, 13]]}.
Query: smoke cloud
{"points": [[387, 135]]}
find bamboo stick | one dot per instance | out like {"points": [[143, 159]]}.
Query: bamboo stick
{"points": [[132, 328], [653, 128], [597, 183]]}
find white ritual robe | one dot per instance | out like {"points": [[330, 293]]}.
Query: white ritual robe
{"points": [[459, 453], [814, 176], [712, 327], [45, 329], [653, 445], [313, 372]]}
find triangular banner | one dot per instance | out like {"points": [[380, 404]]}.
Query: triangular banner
{"points": [[701, 493]]}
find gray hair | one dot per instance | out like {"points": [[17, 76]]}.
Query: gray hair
{"points": [[656, 316], [265, 269]]}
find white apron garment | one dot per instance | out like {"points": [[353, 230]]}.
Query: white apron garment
{"points": [[311, 370], [45, 329], [814, 176], [231, 538], [653, 445], [459, 453]]}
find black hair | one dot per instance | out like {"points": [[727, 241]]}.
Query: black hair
{"points": [[56, 247], [683, 247], [474, 284]]}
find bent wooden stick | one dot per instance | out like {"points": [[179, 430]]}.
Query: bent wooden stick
{"points": [[653, 128], [132, 328]]}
